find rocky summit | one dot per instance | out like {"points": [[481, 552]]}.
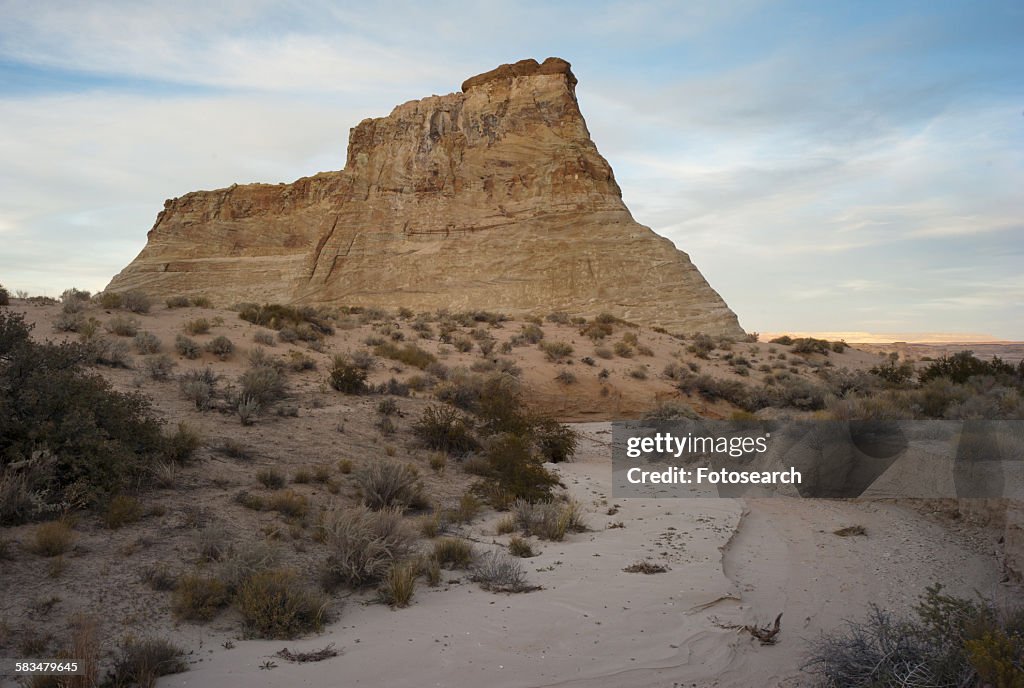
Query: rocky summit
{"points": [[492, 198]]}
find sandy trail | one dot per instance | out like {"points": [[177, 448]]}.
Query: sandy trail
{"points": [[731, 562]]}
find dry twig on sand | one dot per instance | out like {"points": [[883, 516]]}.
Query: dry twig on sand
{"points": [[318, 656], [767, 634]]}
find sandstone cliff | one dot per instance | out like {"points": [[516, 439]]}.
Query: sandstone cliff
{"points": [[491, 198]]}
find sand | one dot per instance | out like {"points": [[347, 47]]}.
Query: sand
{"points": [[731, 562]]}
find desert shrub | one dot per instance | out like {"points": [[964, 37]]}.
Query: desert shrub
{"points": [[399, 584], [638, 373], [549, 520], [180, 445], [111, 300], [298, 362], [810, 345], [950, 641], [670, 410], [556, 351], [68, 322], [387, 484], [565, 377], [122, 510], [894, 372], [520, 547], [18, 502], [785, 340], [453, 553], [221, 347], [159, 367], [51, 539], [387, 407], [278, 317], [963, 365], [410, 354], [264, 338], [159, 577], [108, 352], [362, 359], [270, 478], [555, 442], [5, 297], [197, 326], [702, 345], [514, 470], [276, 604], [136, 301], [463, 344], [623, 349], [497, 572], [121, 326], [461, 389], [445, 429], [532, 333], [468, 509], [177, 302], [346, 377], [363, 544], [840, 346], [80, 440], [247, 409], [644, 350], [238, 563], [198, 598], [213, 542], [166, 474], [197, 386], [604, 352], [147, 343], [186, 347], [139, 662], [265, 384], [202, 302]]}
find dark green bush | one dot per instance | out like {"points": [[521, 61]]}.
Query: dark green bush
{"points": [[346, 376], [277, 317], [68, 432], [445, 429], [410, 354]]}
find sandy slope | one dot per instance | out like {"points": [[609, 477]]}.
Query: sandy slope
{"points": [[594, 625]]}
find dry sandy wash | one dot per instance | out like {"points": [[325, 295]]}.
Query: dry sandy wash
{"points": [[730, 562]]}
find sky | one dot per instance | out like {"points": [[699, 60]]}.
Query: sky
{"points": [[840, 166]]}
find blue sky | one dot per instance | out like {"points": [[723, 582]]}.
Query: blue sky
{"points": [[828, 166]]}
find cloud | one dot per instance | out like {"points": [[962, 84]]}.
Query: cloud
{"points": [[847, 168]]}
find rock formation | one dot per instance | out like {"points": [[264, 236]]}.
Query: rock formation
{"points": [[493, 198]]}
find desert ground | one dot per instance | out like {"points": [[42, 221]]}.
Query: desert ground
{"points": [[583, 621]]}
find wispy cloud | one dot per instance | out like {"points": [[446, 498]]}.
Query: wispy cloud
{"points": [[827, 167]]}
